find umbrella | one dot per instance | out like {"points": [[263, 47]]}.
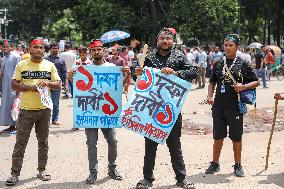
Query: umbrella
{"points": [[276, 50], [112, 36], [255, 45]]}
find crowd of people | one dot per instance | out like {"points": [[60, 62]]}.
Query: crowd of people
{"points": [[22, 75]]}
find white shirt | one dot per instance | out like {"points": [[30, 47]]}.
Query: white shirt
{"points": [[69, 58], [131, 56]]}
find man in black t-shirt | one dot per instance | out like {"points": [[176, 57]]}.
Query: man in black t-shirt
{"points": [[260, 65], [225, 110], [170, 61]]}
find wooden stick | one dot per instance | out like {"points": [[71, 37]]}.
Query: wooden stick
{"points": [[145, 49], [271, 133], [141, 63]]}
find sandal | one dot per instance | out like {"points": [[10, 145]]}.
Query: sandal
{"points": [[187, 184], [43, 176], [144, 184], [12, 180]]}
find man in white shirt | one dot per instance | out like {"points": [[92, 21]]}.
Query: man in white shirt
{"points": [[201, 64], [69, 58]]}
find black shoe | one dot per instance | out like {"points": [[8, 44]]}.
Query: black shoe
{"points": [[92, 178], [238, 170], [114, 173], [213, 168], [12, 128], [186, 184]]}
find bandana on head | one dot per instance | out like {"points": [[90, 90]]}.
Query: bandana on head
{"points": [[36, 41], [234, 38], [169, 31], [95, 43]]}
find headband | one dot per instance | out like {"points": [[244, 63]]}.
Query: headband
{"points": [[95, 43], [234, 38], [169, 31], [36, 42]]}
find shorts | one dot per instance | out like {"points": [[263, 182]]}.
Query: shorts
{"points": [[223, 117]]}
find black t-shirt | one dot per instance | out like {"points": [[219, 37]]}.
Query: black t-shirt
{"points": [[242, 73], [258, 56], [175, 60]]}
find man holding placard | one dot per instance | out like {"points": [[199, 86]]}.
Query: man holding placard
{"points": [[32, 75], [169, 61], [97, 115]]}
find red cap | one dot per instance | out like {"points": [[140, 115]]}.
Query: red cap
{"points": [[6, 43], [96, 43], [36, 41]]}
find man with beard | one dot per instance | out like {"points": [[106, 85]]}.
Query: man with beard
{"points": [[225, 109], [97, 51], [9, 62], [29, 75], [170, 61]]}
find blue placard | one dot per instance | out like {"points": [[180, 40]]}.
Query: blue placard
{"points": [[154, 105], [97, 101]]}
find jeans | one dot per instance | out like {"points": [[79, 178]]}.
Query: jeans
{"points": [[174, 145], [263, 75], [55, 96], [92, 140], [70, 87], [27, 119]]}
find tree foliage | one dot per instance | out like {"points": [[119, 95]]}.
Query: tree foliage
{"points": [[206, 21]]}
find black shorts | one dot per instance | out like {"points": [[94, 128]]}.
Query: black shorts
{"points": [[227, 117]]}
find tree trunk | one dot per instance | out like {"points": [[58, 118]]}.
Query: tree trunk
{"points": [[278, 22], [154, 22]]}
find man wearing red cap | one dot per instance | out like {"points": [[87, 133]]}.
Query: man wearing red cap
{"points": [[96, 49], [9, 62], [170, 61], [30, 75]]}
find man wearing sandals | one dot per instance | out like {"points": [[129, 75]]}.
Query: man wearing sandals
{"points": [[96, 49], [225, 109], [170, 61], [30, 74]]}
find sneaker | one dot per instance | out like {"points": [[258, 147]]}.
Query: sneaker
{"points": [[9, 129], [186, 184], [114, 173], [91, 179], [213, 168], [238, 170], [75, 129], [56, 123]]}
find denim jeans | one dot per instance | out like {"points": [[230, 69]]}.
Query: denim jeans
{"points": [[70, 87], [263, 75], [92, 140], [55, 95]]}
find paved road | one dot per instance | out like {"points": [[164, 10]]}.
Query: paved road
{"points": [[68, 163]]}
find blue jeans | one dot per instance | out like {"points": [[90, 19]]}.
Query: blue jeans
{"points": [[55, 95], [70, 87], [263, 75]]}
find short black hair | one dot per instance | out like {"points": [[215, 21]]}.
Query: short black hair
{"points": [[67, 45], [53, 44]]}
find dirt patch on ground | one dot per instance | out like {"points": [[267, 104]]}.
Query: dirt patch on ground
{"points": [[259, 120]]}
